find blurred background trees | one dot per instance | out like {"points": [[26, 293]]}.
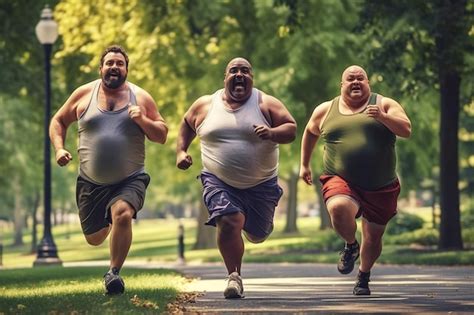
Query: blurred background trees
{"points": [[417, 52]]}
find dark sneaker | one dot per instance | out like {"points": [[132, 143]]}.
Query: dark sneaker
{"points": [[349, 255], [362, 284], [235, 288], [113, 282]]}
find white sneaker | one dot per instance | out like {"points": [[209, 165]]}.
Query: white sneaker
{"points": [[235, 288]]}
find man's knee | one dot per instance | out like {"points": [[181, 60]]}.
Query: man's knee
{"points": [[341, 209], [231, 223], [255, 239], [122, 212]]}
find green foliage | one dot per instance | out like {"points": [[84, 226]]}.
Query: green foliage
{"points": [[404, 222], [423, 237], [404, 255], [468, 236]]}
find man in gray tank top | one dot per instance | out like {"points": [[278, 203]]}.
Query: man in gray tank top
{"points": [[239, 128], [114, 116]]}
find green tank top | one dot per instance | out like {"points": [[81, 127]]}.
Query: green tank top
{"points": [[358, 148]]}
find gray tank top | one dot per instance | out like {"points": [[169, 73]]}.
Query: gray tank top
{"points": [[111, 144], [229, 147]]}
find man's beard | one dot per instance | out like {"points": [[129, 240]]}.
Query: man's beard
{"points": [[113, 83]]}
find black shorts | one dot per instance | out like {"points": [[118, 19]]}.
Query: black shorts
{"points": [[94, 201]]}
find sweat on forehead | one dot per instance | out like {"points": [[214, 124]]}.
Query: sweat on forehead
{"points": [[238, 60], [354, 70]]}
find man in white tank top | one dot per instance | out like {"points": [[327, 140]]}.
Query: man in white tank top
{"points": [[240, 129], [114, 116]]}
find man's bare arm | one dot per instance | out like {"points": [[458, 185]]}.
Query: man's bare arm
{"points": [[65, 116], [187, 131], [283, 125], [391, 114], [150, 121]]}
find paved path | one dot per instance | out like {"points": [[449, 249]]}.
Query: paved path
{"points": [[319, 288]]}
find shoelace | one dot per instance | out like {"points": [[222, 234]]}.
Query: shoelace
{"points": [[363, 282], [239, 281], [348, 253]]}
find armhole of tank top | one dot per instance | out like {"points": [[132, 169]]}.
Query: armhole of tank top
{"points": [[94, 92], [375, 99], [258, 109], [211, 107], [133, 94], [335, 102]]}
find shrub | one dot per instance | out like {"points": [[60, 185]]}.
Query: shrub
{"points": [[468, 237], [467, 216], [404, 222], [424, 237]]}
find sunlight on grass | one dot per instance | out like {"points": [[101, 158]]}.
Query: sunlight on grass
{"points": [[66, 290]]}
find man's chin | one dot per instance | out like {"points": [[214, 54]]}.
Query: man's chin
{"points": [[240, 96], [113, 84]]}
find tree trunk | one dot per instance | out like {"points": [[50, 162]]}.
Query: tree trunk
{"points": [[323, 211], [291, 210], [34, 224], [206, 235], [18, 212], [449, 29], [450, 225]]}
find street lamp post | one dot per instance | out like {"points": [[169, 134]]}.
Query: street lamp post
{"points": [[47, 33]]}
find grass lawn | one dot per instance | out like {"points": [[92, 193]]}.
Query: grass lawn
{"points": [[58, 290], [156, 241]]}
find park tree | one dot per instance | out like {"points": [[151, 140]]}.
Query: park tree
{"points": [[310, 50], [421, 46]]}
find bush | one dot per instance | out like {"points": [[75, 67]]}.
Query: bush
{"points": [[404, 222], [424, 237], [468, 237], [329, 240], [467, 216]]}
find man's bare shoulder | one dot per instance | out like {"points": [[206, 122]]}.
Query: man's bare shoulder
{"points": [[201, 104], [143, 97], [81, 93], [268, 99], [322, 109], [203, 100], [85, 89]]}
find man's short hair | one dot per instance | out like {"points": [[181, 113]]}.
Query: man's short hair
{"points": [[114, 49]]}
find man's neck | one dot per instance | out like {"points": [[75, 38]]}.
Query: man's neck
{"points": [[232, 102], [114, 99], [351, 106]]}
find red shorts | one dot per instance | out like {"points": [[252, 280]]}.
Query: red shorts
{"points": [[377, 206]]}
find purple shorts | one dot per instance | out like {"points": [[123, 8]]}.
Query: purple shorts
{"points": [[256, 203]]}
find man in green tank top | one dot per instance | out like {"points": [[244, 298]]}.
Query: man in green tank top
{"points": [[359, 130]]}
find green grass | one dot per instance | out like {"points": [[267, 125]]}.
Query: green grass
{"points": [[58, 290], [156, 241]]}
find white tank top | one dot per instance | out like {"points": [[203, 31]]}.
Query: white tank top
{"points": [[231, 150]]}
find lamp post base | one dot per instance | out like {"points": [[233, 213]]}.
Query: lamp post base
{"points": [[47, 253], [47, 261]]}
